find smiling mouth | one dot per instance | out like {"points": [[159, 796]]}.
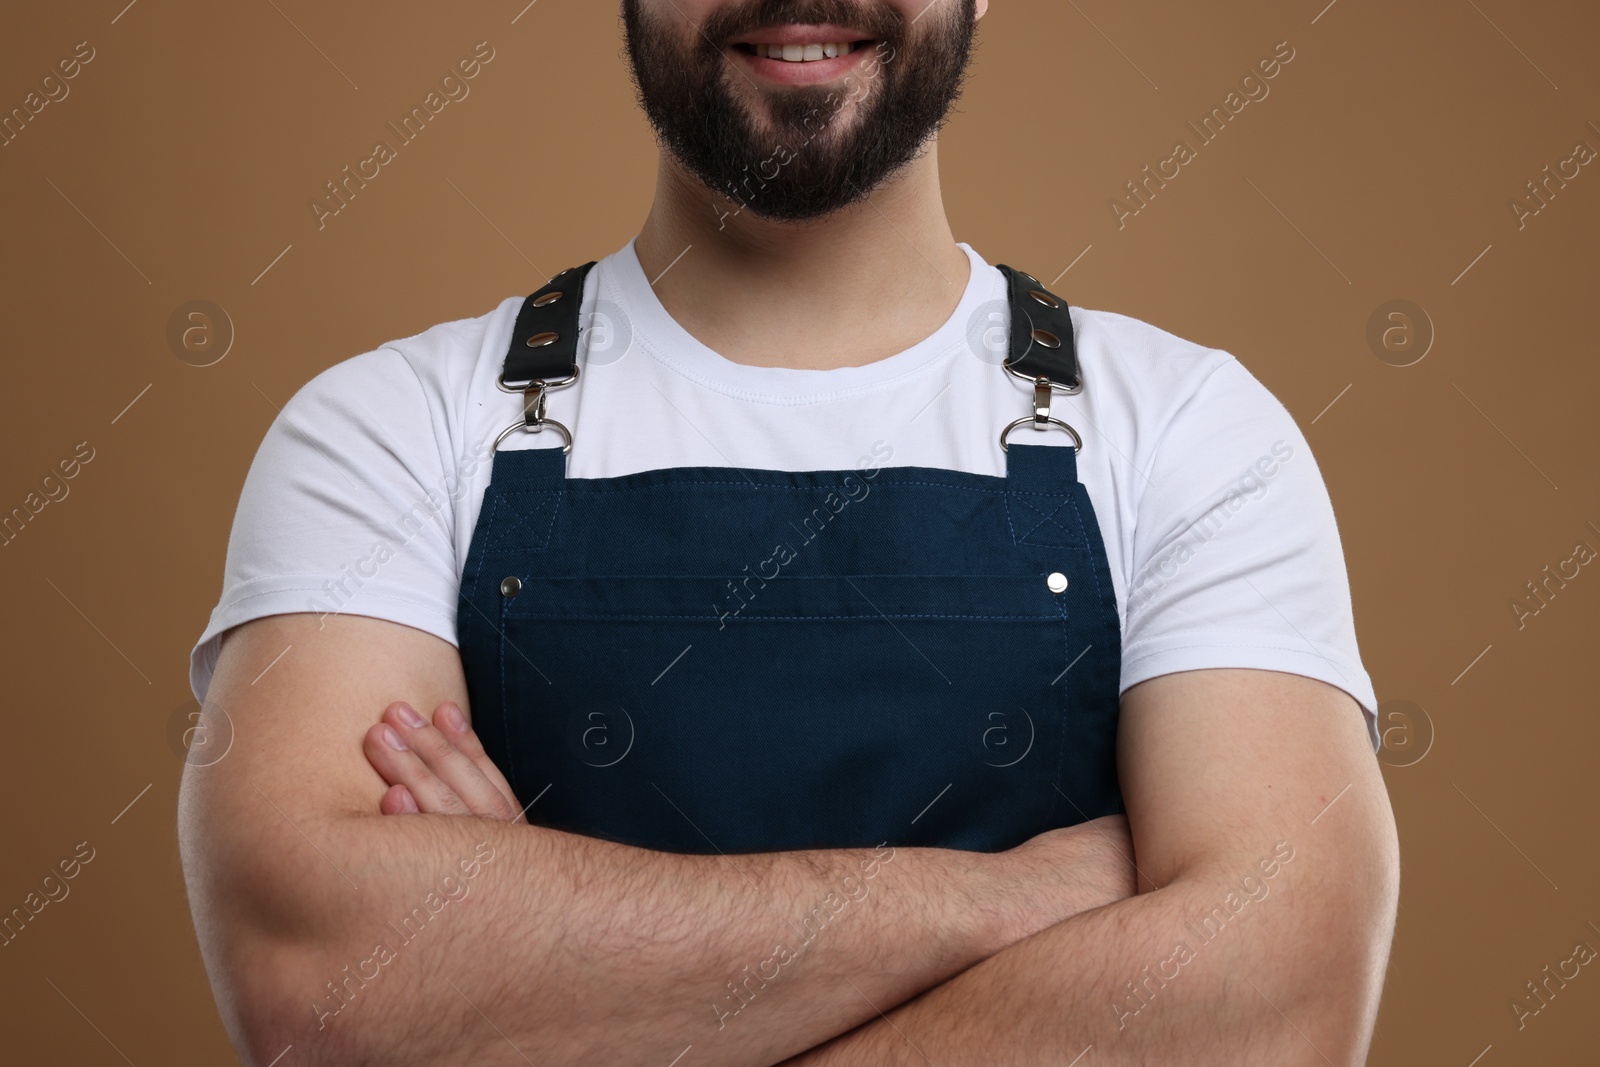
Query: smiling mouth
{"points": [[802, 53]]}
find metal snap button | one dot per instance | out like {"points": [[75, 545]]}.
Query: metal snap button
{"points": [[1057, 582], [510, 587], [1044, 298], [539, 340], [547, 299]]}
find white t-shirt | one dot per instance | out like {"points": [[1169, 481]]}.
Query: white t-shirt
{"points": [[364, 494]]}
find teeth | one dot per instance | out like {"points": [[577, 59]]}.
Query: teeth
{"points": [[804, 53]]}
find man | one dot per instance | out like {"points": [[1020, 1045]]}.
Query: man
{"points": [[804, 705]]}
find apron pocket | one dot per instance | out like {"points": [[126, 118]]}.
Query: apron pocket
{"points": [[691, 714]]}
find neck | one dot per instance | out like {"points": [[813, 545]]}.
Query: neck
{"points": [[857, 286]]}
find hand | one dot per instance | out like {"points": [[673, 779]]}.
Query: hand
{"points": [[439, 768], [1060, 873]]}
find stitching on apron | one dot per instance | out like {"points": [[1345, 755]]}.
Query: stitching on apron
{"points": [[1065, 710], [500, 655], [523, 516], [599, 490], [1043, 518], [1093, 571], [511, 743], [1112, 623], [781, 618]]}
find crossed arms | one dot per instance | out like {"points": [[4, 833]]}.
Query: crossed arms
{"points": [[1259, 933]]}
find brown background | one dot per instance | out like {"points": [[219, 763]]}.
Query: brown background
{"points": [[1379, 168]]}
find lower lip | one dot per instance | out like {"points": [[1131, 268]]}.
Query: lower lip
{"points": [[786, 73]]}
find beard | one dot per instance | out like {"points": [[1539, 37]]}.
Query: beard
{"points": [[802, 160]]}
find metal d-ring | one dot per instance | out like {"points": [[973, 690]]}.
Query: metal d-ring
{"points": [[1041, 419], [535, 428], [1049, 420]]}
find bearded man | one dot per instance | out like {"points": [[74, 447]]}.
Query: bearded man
{"points": [[837, 649]]}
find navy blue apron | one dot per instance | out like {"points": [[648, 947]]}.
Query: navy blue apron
{"points": [[730, 659]]}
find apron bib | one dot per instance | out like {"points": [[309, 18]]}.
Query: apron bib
{"points": [[728, 659]]}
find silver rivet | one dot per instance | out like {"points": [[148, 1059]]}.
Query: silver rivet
{"points": [[539, 340], [1047, 339], [1057, 582], [1044, 298], [548, 298], [510, 587]]}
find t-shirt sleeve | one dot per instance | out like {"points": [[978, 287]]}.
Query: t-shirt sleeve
{"points": [[1237, 560], [346, 509]]}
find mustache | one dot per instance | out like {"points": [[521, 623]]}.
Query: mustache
{"points": [[877, 21]]}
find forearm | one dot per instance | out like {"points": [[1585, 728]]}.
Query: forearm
{"points": [[567, 949], [541, 946], [1176, 975]]}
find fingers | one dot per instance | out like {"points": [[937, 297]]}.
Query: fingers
{"points": [[408, 775], [398, 801], [408, 751], [452, 722]]}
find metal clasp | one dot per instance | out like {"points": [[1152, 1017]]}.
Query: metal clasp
{"points": [[533, 406], [1041, 419], [1041, 400]]}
